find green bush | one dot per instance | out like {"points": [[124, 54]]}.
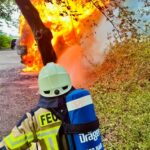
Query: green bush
{"points": [[5, 41], [122, 97]]}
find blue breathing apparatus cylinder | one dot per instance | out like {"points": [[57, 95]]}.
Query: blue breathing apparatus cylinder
{"points": [[83, 120]]}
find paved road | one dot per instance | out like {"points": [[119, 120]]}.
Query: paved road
{"points": [[18, 91], [9, 59]]}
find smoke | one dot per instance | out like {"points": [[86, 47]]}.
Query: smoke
{"points": [[82, 59], [80, 63], [72, 61]]}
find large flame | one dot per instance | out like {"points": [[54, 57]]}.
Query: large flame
{"points": [[71, 23]]}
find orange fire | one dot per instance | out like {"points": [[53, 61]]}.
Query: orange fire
{"points": [[71, 23]]}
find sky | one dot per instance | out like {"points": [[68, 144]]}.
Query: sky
{"points": [[8, 27]]}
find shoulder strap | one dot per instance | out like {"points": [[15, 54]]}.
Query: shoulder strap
{"points": [[58, 114]]}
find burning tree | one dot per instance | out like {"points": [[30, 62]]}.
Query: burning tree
{"points": [[67, 21]]}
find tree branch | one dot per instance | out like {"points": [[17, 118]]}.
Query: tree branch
{"points": [[101, 10]]}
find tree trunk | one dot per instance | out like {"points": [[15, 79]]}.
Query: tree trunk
{"points": [[42, 35]]}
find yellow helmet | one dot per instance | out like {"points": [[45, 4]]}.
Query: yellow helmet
{"points": [[53, 80]]}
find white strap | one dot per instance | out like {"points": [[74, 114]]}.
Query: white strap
{"points": [[79, 103]]}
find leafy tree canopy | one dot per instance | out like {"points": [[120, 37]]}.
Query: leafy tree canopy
{"points": [[7, 7]]}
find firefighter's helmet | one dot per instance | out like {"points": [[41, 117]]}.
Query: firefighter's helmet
{"points": [[53, 80]]}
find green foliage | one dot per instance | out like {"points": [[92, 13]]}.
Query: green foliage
{"points": [[122, 97], [6, 9], [5, 41]]}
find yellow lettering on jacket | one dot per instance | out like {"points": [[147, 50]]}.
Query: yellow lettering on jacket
{"points": [[47, 118]]}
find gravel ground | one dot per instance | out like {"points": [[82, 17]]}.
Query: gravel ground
{"points": [[18, 91]]}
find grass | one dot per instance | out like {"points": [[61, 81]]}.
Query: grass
{"points": [[122, 97]]}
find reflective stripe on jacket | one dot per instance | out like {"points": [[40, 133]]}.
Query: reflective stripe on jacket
{"points": [[43, 127]]}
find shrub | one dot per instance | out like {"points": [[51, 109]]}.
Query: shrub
{"points": [[5, 41], [122, 95]]}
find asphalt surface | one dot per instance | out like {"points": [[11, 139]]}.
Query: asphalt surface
{"points": [[9, 60], [18, 91]]}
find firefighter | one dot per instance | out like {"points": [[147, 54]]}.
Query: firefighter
{"points": [[43, 123]]}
